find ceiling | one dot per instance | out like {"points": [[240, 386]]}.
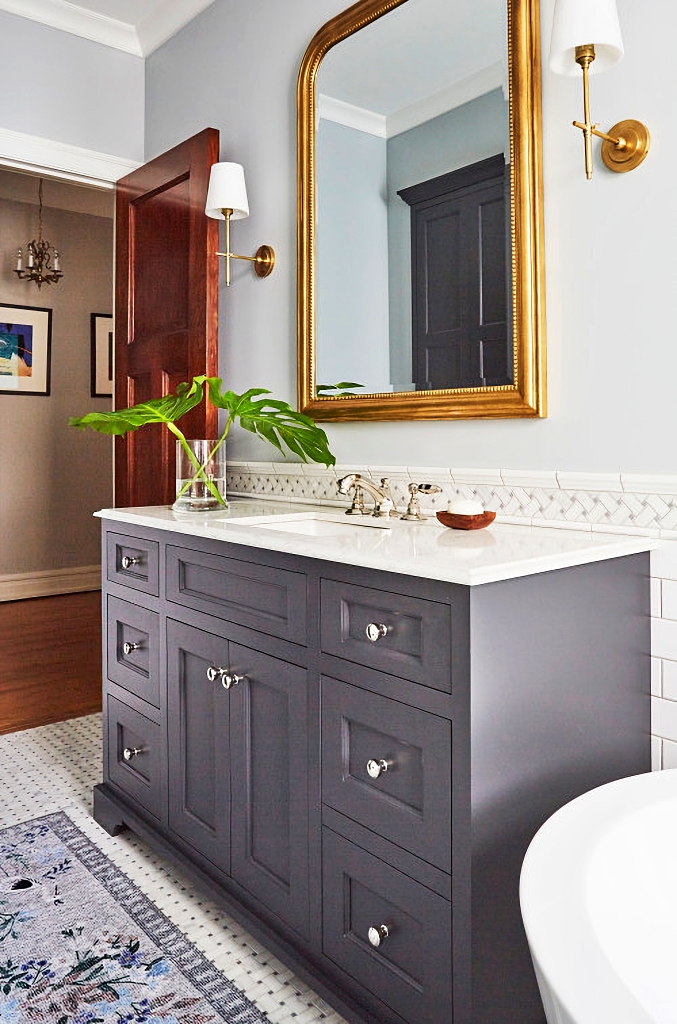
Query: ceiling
{"points": [[135, 26]]}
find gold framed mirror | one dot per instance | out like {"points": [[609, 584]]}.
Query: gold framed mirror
{"points": [[345, 262]]}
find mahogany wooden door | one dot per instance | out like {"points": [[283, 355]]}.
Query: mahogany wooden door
{"points": [[166, 307]]}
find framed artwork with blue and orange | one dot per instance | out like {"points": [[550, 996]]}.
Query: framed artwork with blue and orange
{"points": [[25, 349]]}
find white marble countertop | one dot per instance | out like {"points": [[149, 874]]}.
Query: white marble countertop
{"points": [[424, 549]]}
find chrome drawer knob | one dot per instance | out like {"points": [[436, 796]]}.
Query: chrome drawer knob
{"points": [[128, 561], [231, 679], [128, 646], [377, 935], [216, 672], [375, 630], [129, 752], [376, 768]]}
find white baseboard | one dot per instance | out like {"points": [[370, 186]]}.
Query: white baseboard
{"points": [[50, 582]]}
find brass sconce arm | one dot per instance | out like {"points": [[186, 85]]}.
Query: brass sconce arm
{"points": [[263, 259], [625, 145]]}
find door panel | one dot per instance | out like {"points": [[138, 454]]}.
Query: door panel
{"points": [[166, 307], [198, 731], [270, 787]]}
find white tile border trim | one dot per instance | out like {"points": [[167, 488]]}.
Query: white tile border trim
{"points": [[608, 502]]}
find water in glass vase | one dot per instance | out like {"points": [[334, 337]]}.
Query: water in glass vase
{"points": [[200, 476]]}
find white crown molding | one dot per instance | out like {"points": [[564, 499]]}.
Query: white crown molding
{"points": [[167, 19], [350, 116], [79, 22], [484, 81], [139, 40], [30, 153]]}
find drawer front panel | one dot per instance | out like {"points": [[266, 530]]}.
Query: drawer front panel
{"points": [[388, 767], [133, 649], [411, 636], [365, 902], [270, 600], [133, 563], [134, 755]]}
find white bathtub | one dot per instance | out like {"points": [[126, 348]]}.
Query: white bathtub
{"points": [[598, 894]]}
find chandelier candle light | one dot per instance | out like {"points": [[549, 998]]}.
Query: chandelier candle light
{"points": [[39, 266]]}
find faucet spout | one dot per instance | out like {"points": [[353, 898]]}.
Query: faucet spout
{"points": [[358, 483]]}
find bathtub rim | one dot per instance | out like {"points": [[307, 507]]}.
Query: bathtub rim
{"points": [[552, 889]]}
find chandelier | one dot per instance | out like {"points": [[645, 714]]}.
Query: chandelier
{"points": [[39, 264]]}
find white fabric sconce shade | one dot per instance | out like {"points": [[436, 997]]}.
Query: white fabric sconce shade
{"points": [[227, 191], [581, 23]]}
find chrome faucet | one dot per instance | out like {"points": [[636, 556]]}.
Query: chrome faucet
{"points": [[383, 502], [414, 512]]}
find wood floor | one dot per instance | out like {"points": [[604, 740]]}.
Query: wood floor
{"points": [[50, 659]]}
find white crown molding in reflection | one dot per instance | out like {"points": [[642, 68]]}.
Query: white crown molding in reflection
{"points": [[140, 40], [350, 116], [59, 159], [385, 127], [484, 81]]}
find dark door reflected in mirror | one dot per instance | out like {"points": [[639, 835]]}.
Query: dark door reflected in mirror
{"points": [[420, 213]]}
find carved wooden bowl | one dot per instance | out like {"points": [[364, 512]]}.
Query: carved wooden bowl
{"points": [[460, 522]]}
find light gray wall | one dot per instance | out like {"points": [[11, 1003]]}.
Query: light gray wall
{"points": [[60, 87], [351, 237], [52, 477], [471, 132], [610, 250]]}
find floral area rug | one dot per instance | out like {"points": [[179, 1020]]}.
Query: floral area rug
{"points": [[81, 944]]}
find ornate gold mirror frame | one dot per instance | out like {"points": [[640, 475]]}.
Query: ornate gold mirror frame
{"points": [[526, 397]]}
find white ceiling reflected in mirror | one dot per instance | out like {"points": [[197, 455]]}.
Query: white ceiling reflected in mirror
{"points": [[404, 146]]}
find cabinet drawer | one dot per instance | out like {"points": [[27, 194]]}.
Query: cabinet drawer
{"points": [[133, 649], [133, 562], [388, 767], [411, 636], [134, 755], [259, 596], [410, 968]]}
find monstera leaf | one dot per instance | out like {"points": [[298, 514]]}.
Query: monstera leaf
{"points": [[271, 419]]}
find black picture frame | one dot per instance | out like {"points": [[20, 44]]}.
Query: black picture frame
{"points": [[101, 331], [25, 349]]}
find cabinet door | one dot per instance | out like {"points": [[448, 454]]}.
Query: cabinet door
{"points": [[269, 779], [198, 735]]}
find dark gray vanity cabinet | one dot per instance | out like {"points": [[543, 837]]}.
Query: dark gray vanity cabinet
{"points": [[354, 761]]}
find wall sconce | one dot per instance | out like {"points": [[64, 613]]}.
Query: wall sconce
{"points": [[227, 200], [583, 32]]}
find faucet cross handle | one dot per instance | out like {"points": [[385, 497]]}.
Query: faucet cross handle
{"points": [[414, 507]]}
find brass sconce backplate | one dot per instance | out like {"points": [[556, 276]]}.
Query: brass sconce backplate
{"points": [[632, 146], [264, 261]]}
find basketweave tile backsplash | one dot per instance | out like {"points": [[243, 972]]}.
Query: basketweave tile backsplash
{"points": [[618, 502], [604, 501]]}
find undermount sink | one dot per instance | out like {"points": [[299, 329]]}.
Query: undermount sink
{"points": [[314, 524]]}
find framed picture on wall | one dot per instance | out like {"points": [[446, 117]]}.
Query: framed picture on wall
{"points": [[102, 354], [25, 349]]}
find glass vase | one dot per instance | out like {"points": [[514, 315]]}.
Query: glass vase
{"points": [[200, 476]]}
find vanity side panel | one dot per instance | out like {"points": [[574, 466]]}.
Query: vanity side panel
{"points": [[560, 704]]}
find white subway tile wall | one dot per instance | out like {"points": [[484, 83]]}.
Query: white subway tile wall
{"points": [[607, 502]]}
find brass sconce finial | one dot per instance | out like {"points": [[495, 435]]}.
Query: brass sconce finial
{"points": [[227, 200], [626, 144]]}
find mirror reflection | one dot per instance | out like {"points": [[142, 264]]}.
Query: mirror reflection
{"points": [[412, 202], [420, 259]]}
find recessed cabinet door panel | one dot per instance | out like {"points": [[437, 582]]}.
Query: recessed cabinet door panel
{"points": [[270, 783], [388, 766], [389, 932], [133, 654], [198, 733], [135, 755], [410, 637]]}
